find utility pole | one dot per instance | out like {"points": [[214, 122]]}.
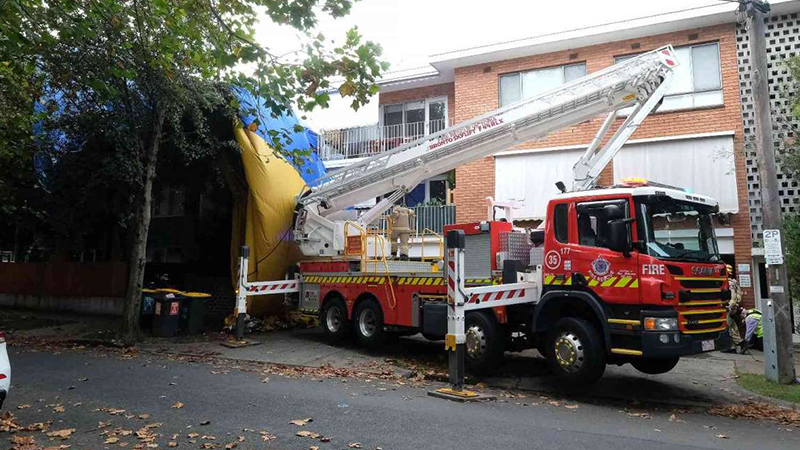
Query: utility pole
{"points": [[777, 322]]}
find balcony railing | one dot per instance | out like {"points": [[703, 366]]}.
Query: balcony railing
{"points": [[361, 142], [431, 217]]}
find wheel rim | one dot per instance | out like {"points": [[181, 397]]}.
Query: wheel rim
{"points": [[333, 319], [367, 322], [476, 342], [569, 352]]}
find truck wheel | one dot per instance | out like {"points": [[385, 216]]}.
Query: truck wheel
{"points": [[333, 317], [368, 319], [575, 351], [653, 366], [484, 346]]}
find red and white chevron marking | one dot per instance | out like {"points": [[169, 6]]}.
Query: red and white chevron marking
{"points": [[495, 296], [273, 288]]}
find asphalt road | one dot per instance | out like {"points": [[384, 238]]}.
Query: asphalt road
{"points": [[348, 411]]}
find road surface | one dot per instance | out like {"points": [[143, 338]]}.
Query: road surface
{"points": [[245, 409]]}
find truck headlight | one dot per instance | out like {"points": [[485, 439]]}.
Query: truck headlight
{"points": [[660, 323]]}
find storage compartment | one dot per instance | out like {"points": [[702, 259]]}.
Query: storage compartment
{"points": [[434, 320]]}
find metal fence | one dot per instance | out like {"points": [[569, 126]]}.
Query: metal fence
{"points": [[360, 142]]}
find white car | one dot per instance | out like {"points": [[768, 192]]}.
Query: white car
{"points": [[5, 370]]}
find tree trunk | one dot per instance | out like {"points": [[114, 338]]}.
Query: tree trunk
{"points": [[138, 249]]}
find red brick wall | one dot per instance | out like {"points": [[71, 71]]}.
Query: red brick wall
{"points": [[476, 92]]}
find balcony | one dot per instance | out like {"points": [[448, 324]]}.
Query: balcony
{"points": [[370, 140], [428, 217]]}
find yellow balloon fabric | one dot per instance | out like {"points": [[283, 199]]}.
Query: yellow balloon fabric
{"points": [[266, 222]]}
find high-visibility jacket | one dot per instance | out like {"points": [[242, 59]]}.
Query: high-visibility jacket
{"points": [[756, 315]]}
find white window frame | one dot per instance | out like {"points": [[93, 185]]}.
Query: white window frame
{"points": [[427, 101], [563, 68], [664, 107]]}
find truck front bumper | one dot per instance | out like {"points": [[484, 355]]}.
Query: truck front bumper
{"points": [[687, 344]]}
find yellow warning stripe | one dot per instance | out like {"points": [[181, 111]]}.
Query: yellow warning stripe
{"points": [[409, 281], [624, 322], [626, 351], [617, 282]]}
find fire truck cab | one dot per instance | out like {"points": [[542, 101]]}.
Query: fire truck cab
{"points": [[634, 270]]}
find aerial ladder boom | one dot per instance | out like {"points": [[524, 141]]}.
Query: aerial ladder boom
{"points": [[637, 82]]}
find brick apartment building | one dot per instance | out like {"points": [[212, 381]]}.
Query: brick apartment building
{"points": [[695, 140]]}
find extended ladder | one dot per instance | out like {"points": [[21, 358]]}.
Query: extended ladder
{"points": [[638, 82]]}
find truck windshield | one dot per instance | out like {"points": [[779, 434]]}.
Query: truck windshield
{"points": [[675, 230]]}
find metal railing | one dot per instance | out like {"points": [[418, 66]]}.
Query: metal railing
{"points": [[361, 142], [430, 217]]}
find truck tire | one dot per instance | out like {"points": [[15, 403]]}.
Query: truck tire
{"points": [[485, 344], [333, 318], [368, 320], [652, 366], [575, 351]]}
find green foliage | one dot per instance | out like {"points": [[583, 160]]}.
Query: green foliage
{"points": [[113, 79], [760, 385]]}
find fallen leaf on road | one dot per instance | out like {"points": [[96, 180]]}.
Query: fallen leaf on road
{"points": [[83, 379], [177, 405], [231, 446], [240, 438], [115, 412], [26, 406], [111, 440], [309, 434], [63, 434], [722, 436], [58, 408], [205, 422], [657, 430], [208, 437], [23, 440], [554, 403], [300, 422], [674, 418], [144, 416], [172, 444], [313, 447], [571, 406], [265, 380], [643, 415], [58, 447], [355, 445], [267, 437], [193, 435], [325, 439]]}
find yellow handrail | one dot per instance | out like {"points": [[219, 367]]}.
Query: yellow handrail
{"points": [[441, 245]]}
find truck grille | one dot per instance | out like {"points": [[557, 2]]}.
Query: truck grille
{"points": [[701, 306], [700, 283]]}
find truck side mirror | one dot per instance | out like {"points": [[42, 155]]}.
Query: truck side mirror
{"points": [[619, 238]]}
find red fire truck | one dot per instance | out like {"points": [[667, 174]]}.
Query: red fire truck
{"points": [[629, 274]]}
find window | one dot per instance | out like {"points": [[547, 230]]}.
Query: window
{"points": [[169, 202], [561, 223], [593, 220], [414, 119], [697, 81], [517, 86]]}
